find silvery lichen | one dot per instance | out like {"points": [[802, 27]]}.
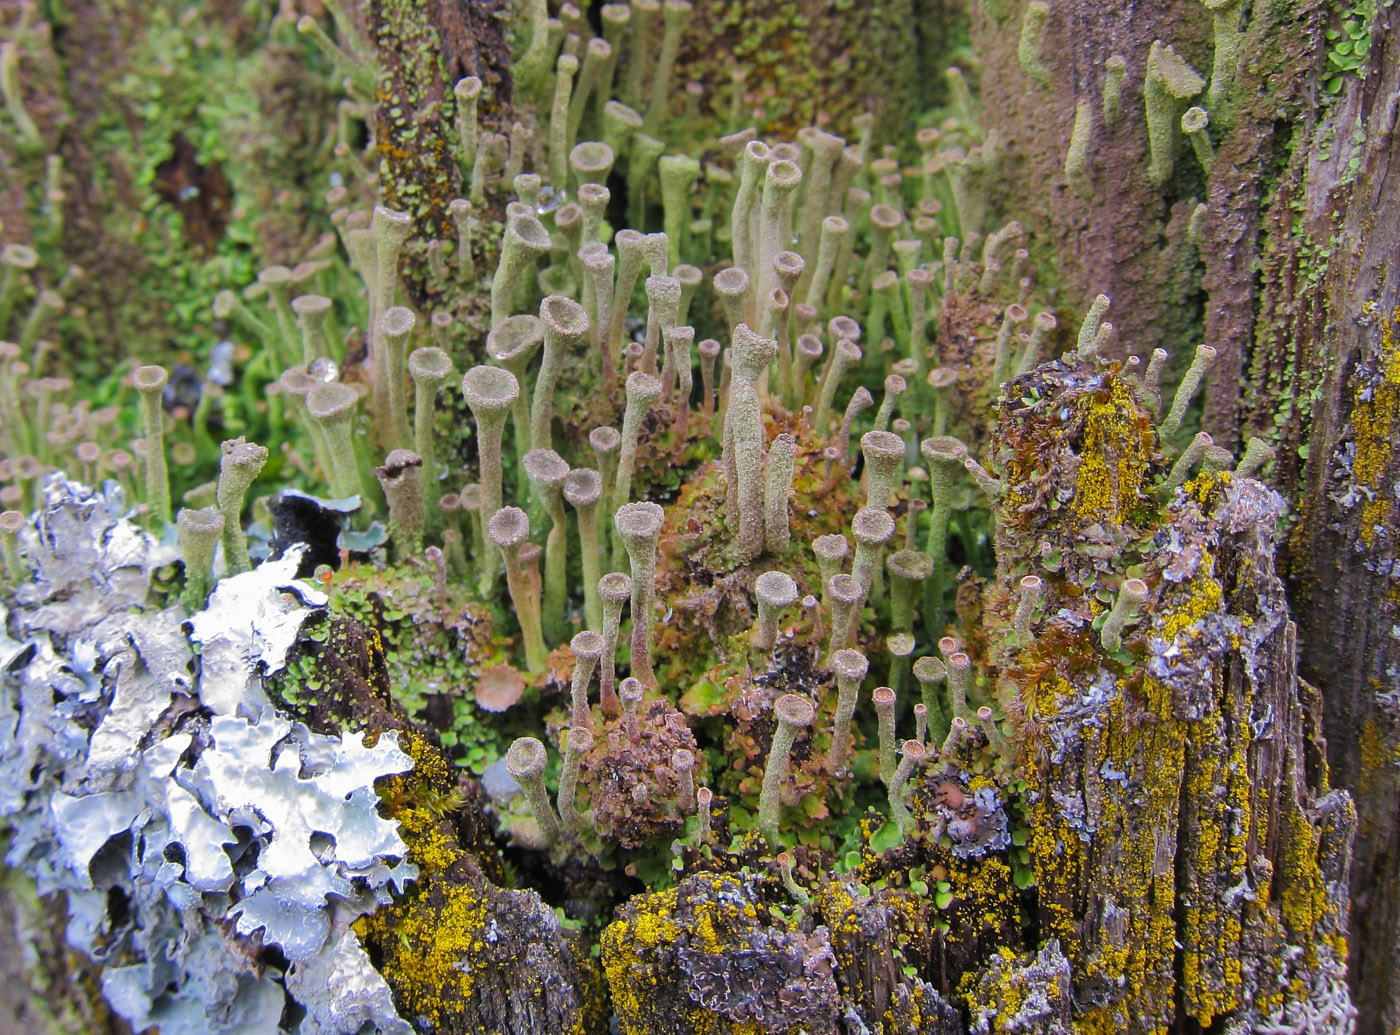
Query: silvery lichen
{"points": [[210, 830]]}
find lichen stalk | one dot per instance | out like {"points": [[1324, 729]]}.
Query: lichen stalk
{"points": [[583, 488], [793, 714], [753, 168], [490, 393], [959, 683], [850, 667], [1028, 595], [663, 305], [401, 478], [775, 591], [547, 473], [395, 326], [430, 368], [614, 590], [150, 382], [1132, 594], [846, 595], [883, 698], [1115, 70], [931, 672], [909, 569], [525, 762], [911, 755], [587, 647], [643, 391], [639, 527], [631, 692], [678, 175], [577, 741], [198, 532], [565, 325], [508, 529], [525, 240], [780, 183], [1186, 391], [559, 144], [845, 356], [240, 463]]}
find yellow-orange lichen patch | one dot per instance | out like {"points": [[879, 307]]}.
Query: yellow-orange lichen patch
{"points": [[1373, 424]]}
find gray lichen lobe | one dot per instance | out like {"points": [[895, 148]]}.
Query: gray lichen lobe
{"points": [[179, 837]]}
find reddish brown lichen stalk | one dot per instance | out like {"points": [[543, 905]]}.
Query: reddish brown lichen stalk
{"points": [[508, 529], [588, 649]]}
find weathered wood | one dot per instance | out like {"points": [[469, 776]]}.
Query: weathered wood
{"points": [[1343, 551]]}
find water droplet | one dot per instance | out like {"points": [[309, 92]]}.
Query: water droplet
{"points": [[323, 369], [549, 199]]}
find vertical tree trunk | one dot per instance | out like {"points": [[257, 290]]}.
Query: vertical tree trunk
{"points": [[1297, 289]]}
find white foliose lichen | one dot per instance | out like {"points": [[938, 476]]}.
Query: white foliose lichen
{"points": [[144, 772]]}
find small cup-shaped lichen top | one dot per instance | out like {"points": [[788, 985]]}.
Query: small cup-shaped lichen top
{"points": [[883, 452], [526, 759], [775, 591], [332, 406], [490, 392]]}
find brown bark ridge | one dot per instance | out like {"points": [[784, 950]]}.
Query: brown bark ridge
{"points": [[1299, 295], [1125, 239], [424, 47], [1335, 292]]}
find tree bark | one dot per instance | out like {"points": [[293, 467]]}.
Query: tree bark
{"points": [[1297, 290]]}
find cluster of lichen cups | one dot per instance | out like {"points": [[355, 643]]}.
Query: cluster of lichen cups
{"points": [[790, 348]]}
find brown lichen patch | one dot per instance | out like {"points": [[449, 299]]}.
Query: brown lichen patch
{"points": [[498, 687], [631, 786]]}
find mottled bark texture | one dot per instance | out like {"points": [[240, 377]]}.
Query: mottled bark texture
{"points": [[803, 61], [1189, 855], [423, 49], [1295, 286], [1329, 340], [1127, 238]]}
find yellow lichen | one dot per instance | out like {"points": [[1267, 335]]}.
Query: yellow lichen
{"points": [[1373, 423]]}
